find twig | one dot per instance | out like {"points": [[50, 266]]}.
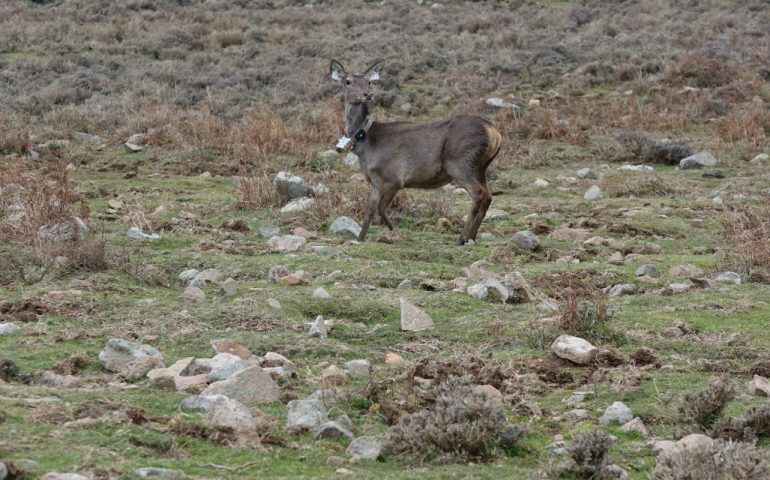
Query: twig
{"points": [[225, 467]]}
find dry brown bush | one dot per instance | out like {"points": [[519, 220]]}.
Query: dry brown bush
{"points": [[750, 125], [701, 410], [747, 240], [699, 71], [718, 460]]}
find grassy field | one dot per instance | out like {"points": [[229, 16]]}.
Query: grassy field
{"points": [[228, 93]]}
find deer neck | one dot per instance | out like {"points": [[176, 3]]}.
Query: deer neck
{"points": [[356, 118]]}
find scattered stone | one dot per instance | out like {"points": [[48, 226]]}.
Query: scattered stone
{"points": [[273, 359], [620, 289], [616, 259], [760, 159], [9, 328], [577, 415], [87, 138], [193, 295], [276, 272], [759, 386], [365, 448], [132, 147], [305, 414], [326, 250], [479, 291], [494, 213], [547, 306], [229, 412], [269, 230], [697, 222], [405, 285], [699, 160], [574, 349], [647, 270], [584, 173], [286, 243], [333, 377], [519, 290], [64, 476], [335, 461], [273, 303], [345, 226], [665, 448], [250, 385], [119, 354], [137, 233], [359, 368], [188, 275], [650, 249], [677, 288], [499, 103], [686, 270], [539, 182], [328, 155], [617, 412], [497, 290], [157, 472], [413, 319], [393, 359], [229, 287], [570, 234], [335, 429], [525, 240], [636, 425], [288, 186], [321, 293], [55, 380], [210, 275], [318, 328], [64, 230], [351, 159], [594, 193], [200, 403], [298, 205], [729, 277], [226, 345], [223, 365], [636, 168]]}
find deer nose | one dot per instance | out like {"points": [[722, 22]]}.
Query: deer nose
{"points": [[368, 96]]}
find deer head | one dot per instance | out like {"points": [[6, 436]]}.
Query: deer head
{"points": [[357, 86]]}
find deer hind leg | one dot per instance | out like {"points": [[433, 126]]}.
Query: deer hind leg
{"points": [[371, 209]]}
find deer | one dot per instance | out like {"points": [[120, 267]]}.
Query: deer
{"points": [[398, 155]]}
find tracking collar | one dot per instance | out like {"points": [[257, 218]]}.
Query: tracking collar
{"points": [[347, 143]]}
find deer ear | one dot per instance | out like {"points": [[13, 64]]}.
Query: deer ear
{"points": [[337, 71], [373, 73]]}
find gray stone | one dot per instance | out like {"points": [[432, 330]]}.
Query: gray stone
{"points": [[3, 471], [224, 365], [365, 448], [351, 159], [345, 226], [647, 270], [269, 230], [413, 319], [87, 138], [497, 290], [200, 403], [479, 291], [193, 294], [333, 429], [729, 277], [157, 472], [286, 243], [137, 233], [229, 287], [325, 250], [678, 287], [574, 349], [328, 155], [55, 380], [119, 353], [759, 386], [9, 328], [614, 472], [636, 168], [617, 412], [359, 368], [64, 476], [308, 414], [636, 425], [273, 359], [321, 293], [289, 186], [620, 289], [593, 193], [539, 182], [188, 275], [499, 103], [210, 275], [760, 159], [318, 328], [584, 173], [228, 412], [525, 240], [547, 306], [699, 160], [54, 144], [298, 205], [494, 213], [62, 231], [276, 272], [250, 385]]}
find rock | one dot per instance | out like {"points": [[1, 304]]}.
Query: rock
{"points": [[318, 328], [499, 103], [614, 472], [677, 287], [539, 182], [273, 359], [83, 137], [250, 385], [616, 259], [269, 230], [620, 289], [345, 226], [224, 365], [200, 403], [9, 328], [636, 168], [699, 160], [180, 367], [666, 448], [64, 476], [228, 412], [321, 293], [413, 319], [405, 285], [119, 354], [229, 287], [393, 358], [54, 380], [273, 303], [574, 349], [494, 213], [729, 277], [570, 234], [577, 415], [617, 412], [650, 249], [760, 159], [286, 243], [210, 275], [636, 425], [3, 471], [497, 290], [594, 193], [647, 270], [288, 186], [358, 368], [137, 233], [54, 145], [333, 377], [298, 205], [328, 155], [547, 306], [188, 275], [335, 429], [351, 159], [759, 386], [193, 295], [686, 270], [225, 345], [365, 448], [276, 272], [518, 289], [325, 250], [584, 173], [697, 222], [157, 472], [63, 230], [479, 291], [305, 414], [525, 240]]}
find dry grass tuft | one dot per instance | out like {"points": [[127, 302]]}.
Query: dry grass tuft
{"points": [[747, 240], [701, 410]]}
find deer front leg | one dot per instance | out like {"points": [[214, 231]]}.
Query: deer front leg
{"points": [[481, 201], [371, 210], [387, 197]]}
